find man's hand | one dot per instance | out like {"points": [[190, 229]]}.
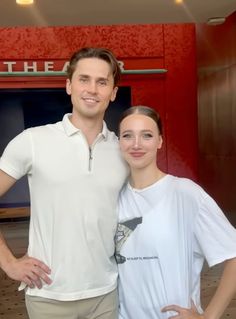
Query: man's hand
{"points": [[183, 313], [29, 270]]}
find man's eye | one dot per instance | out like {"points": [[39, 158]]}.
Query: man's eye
{"points": [[102, 82], [83, 80]]}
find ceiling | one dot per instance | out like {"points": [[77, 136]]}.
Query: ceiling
{"points": [[108, 12]]}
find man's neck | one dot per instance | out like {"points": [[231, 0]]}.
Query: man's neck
{"points": [[90, 127]]}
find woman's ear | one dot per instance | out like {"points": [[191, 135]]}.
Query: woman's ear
{"points": [[160, 142]]}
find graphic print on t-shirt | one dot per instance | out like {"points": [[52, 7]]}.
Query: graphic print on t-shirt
{"points": [[123, 232]]}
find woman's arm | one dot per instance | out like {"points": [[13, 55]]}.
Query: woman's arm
{"points": [[220, 300], [224, 293]]}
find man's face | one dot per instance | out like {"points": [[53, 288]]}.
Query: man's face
{"points": [[91, 88]]}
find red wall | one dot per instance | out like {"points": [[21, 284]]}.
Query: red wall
{"points": [[140, 46], [216, 48]]}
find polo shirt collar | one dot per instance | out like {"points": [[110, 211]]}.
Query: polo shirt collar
{"points": [[70, 129], [104, 132]]}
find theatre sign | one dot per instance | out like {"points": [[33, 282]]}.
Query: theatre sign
{"points": [[37, 66], [59, 67]]}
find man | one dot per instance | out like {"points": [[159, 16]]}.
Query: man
{"points": [[75, 173]]}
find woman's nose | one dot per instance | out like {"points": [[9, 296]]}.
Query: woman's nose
{"points": [[136, 142]]}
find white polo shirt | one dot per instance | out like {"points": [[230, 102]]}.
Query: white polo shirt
{"points": [[73, 193]]}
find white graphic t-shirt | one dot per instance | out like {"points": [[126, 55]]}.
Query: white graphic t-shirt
{"points": [[165, 232]]}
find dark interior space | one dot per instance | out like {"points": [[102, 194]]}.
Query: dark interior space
{"points": [[24, 108]]}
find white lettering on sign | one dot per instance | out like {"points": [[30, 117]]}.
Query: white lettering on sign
{"points": [[28, 67], [38, 66], [9, 66], [65, 66], [48, 66]]}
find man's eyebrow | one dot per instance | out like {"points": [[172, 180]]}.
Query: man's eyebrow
{"points": [[83, 75], [103, 78]]}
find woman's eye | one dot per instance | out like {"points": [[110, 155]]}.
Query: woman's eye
{"points": [[127, 136], [147, 135]]}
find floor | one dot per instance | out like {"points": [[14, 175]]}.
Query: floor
{"points": [[12, 302]]}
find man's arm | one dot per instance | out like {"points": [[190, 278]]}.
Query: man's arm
{"points": [[27, 269], [6, 182]]}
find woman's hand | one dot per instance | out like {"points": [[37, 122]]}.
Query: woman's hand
{"points": [[184, 313]]}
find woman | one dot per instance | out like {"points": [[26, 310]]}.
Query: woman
{"points": [[167, 227]]}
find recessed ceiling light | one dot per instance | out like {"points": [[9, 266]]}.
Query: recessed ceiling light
{"points": [[24, 2], [215, 20], [178, 1]]}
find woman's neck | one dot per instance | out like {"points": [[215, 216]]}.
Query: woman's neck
{"points": [[142, 178]]}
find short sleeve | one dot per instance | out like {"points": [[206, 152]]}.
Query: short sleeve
{"points": [[16, 159], [214, 233]]}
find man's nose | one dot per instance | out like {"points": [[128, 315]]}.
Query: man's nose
{"points": [[92, 87]]}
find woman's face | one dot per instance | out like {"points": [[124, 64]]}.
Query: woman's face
{"points": [[139, 140]]}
